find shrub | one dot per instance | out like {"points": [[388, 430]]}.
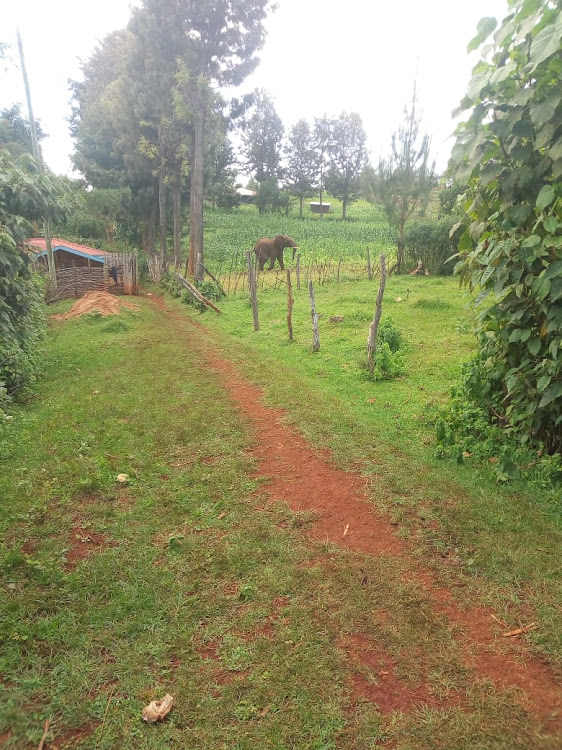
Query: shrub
{"points": [[430, 242], [389, 359]]}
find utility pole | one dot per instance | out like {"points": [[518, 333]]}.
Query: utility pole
{"points": [[39, 159]]}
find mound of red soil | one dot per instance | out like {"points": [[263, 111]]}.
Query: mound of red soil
{"points": [[106, 304]]}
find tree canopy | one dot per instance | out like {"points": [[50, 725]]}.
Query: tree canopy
{"points": [[403, 181], [347, 156]]}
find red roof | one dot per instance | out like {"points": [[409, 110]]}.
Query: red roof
{"points": [[38, 245]]}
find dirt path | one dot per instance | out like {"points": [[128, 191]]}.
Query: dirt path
{"points": [[304, 478]]}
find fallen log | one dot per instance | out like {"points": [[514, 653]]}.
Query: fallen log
{"points": [[195, 293]]}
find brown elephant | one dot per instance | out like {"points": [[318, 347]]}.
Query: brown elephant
{"points": [[273, 249]]}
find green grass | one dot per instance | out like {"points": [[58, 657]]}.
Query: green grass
{"points": [[492, 536], [231, 609]]}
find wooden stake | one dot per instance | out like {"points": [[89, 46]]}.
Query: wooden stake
{"points": [[290, 303], [298, 269], [369, 267], [253, 289], [374, 327], [46, 726], [315, 333], [339, 267]]}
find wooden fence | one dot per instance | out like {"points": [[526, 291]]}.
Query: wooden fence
{"points": [[77, 281], [330, 271]]}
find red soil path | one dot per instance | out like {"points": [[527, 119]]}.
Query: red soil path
{"points": [[303, 477]]}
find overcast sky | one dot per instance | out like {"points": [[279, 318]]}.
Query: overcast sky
{"points": [[319, 58]]}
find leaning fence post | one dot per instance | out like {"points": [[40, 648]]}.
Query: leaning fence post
{"points": [[339, 268], [369, 267], [315, 333], [374, 327], [298, 269], [253, 289], [290, 303]]}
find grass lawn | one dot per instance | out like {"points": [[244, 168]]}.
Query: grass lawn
{"points": [[182, 580]]}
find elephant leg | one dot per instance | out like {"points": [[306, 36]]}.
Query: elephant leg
{"points": [[281, 262], [271, 263]]}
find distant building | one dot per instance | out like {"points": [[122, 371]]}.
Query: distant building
{"points": [[320, 208], [246, 196]]}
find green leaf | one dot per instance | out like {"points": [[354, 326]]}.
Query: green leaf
{"points": [[532, 241], [543, 382], [484, 29], [534, 345], [551, 224], [476, 85], [554, 270], [544, 110], [545, 197], [546, 43], [544, 137], [555, 151], [552, 393]]}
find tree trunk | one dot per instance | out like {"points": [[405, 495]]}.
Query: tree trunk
{"points": [[151, 231], [49, 248], [321, 191], [163, 210], [314, 315], [290, 303], [177, 218], [253, 289], [400, 250], [374, 327], [344, 208], [196, 256]]}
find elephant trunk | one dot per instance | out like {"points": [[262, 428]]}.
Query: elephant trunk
{"points": [[295, 248]]}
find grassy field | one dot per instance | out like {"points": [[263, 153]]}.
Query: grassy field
{"points": [[229, 234], [387, 428], [114, 594]]}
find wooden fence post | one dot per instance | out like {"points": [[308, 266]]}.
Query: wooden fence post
{"points": [[298, 271], [369, 267], [339, 267], [253, 289], [374, 327], [315, 333], [290, 303]]}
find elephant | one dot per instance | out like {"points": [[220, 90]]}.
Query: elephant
{"points": [[273, 249]]}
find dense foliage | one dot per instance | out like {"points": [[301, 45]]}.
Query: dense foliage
{"points": [[24, 194], [509, 156], [431, 242]]}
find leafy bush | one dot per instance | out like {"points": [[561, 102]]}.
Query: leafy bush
{"points": [[23, 194], [509, 155], [389, 359], [466, 431], [390, 334], [430, 242]]}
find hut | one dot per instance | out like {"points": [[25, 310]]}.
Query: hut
{"points": [[80, 268]]}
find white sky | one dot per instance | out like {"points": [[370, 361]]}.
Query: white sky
{"points": [[319, 58]]}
